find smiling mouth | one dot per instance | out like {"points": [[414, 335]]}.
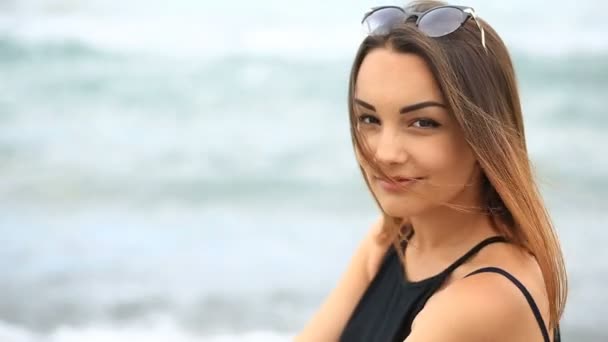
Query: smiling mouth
{"points": [[397, 184], [398, 179]]}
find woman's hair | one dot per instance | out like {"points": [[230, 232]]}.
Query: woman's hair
{"points": [[480, 91]]}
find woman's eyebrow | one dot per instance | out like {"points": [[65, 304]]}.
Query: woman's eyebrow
{"points": [[405, 109]]}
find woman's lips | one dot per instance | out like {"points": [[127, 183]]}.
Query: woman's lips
{"points": [[400, 183]]}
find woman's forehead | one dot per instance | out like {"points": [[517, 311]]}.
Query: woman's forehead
{"points": [[386, 75]]}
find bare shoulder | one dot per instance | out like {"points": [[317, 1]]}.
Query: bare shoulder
{"points": [[486, 306], [482, 308]]}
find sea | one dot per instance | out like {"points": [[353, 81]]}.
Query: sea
{"points": [[182, 170]]}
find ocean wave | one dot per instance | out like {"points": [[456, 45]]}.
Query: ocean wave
{"points": [[17, 51], [203, 31]]}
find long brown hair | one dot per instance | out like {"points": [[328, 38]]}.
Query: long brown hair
{"points": [[480, 91]]}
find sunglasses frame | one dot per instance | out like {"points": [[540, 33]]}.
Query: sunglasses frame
{"points": [[468, 11]]}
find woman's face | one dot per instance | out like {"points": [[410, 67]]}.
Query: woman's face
{"points": [[411, 136]]}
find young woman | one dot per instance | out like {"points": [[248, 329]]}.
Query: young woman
{"points": [[464, 249]]}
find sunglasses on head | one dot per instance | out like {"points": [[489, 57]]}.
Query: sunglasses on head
{"points": [[435, 22]]}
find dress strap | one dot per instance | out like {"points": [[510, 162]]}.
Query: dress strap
{"points": [[473, 251], [528, 296]]}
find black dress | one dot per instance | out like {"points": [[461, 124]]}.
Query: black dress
{"points": [[389, 305]]}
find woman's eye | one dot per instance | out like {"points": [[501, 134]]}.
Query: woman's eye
{"points": [[368, 120], [425, 123]]}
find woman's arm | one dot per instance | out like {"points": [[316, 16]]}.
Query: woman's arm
{"points": [[327, 324]]}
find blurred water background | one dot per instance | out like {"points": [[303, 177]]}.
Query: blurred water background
{"points": [[182, 170]]}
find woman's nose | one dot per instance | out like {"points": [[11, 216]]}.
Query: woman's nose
{"points": [[390, 149]]}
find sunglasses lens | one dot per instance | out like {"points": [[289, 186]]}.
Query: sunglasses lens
{"points": [[381, 21], [441, 21]]}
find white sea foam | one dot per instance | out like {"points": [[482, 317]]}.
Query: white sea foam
{"points": [[150, 331]]}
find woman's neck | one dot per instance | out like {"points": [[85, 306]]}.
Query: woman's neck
{"points": [[447, 228]]}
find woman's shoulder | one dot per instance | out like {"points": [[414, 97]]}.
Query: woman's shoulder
{"points": [[474, 309], [486, 304], [516, 262]]}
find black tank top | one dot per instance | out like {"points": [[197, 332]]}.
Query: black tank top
{"points": [[389, 305]]}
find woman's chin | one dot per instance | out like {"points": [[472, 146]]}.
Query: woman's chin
{"points": [[397, 210], [403, 207]]}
